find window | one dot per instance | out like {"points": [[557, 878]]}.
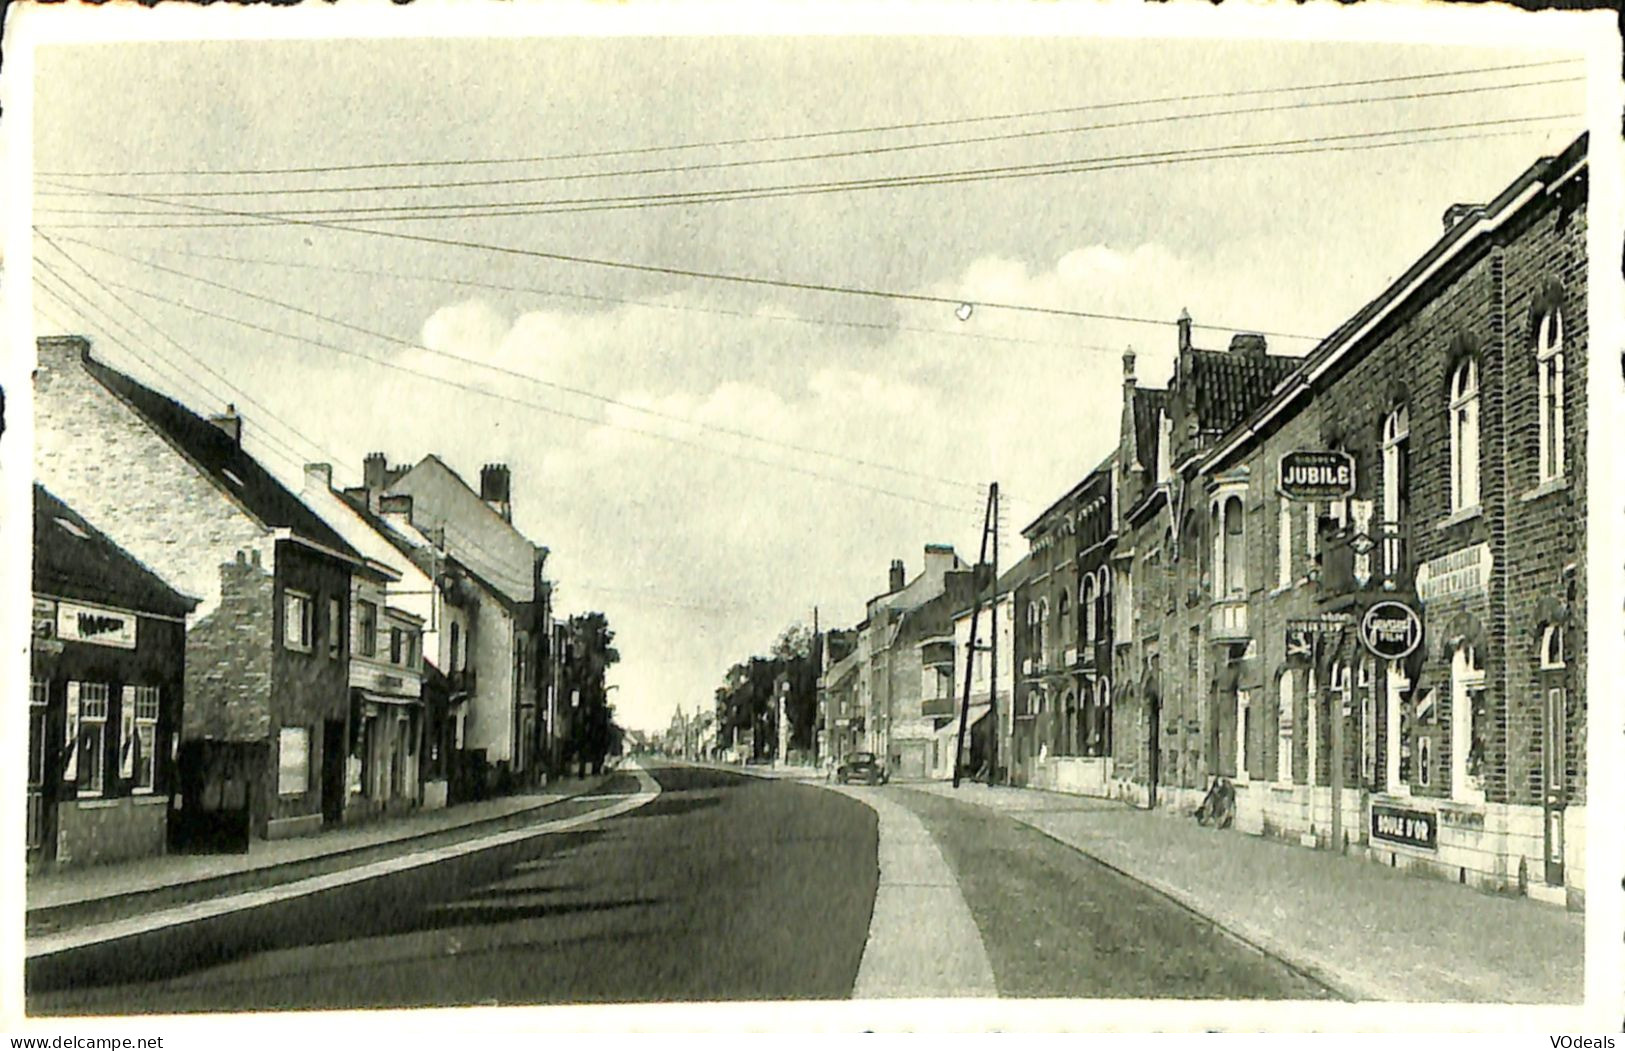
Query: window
{"points": [[1551, 648], [1311, 729], [456, 650], [1087, 601], [1065, 603], [1283, 554], [293, 761], [1283, 732], [1105, 625], [39, 697], [1549, 363], [335, 629], [1396, 469], [87, 736], [138, 737], [396, 653], [1464, 436], [1043, 632], [1230, 556], [1394, 696], [1468, 724], [297, 626], [366, 628]]}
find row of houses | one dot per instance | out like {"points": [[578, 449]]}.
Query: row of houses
{"points": [[1351, 586], [219, 657]]}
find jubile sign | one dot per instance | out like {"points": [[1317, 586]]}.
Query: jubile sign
{"points": [[1317, 474]]}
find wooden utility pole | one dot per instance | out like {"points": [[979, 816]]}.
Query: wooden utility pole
{"points": [[993, 648], [975, 618]]}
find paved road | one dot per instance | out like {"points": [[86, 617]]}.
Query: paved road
{"points": [[1056, 923], [723, 888]]}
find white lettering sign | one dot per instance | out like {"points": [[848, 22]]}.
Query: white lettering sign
{"points": [[1463, 572], [96, 625]]}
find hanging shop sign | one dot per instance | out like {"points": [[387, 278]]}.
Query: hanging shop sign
{"points": [[1391, 629], [95, 625], [1317, 474], [1463, 572], [1301, 632], [1413, 828]]}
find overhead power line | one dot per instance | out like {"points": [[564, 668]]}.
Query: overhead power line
{"points": [[823, 133], [538, 406], [623, 202], [551, 384], [467, 282], [870, 151], [707, 275]]}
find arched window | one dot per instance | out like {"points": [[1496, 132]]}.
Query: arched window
{"points": [[1469, 724], [1283, 731], [1551, 648], [1043, 629], [1464, 436], [1066, 614], [1235, 549], [1105, 626], [1549, 363], [1087, 600], [1396, 468]]}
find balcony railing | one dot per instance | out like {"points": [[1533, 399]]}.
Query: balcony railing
{"points": [[1228, 621], [938, 706]]}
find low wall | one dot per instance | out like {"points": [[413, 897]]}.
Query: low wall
{"points": [[96, 831]]}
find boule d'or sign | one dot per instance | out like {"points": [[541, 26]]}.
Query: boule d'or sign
{"points": [[1391, 629], [1317, 474]]}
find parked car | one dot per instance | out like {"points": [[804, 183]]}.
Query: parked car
{"points": [[862, 766]]}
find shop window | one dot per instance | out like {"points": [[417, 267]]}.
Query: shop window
{"points": [[141, 766], [293, 761], [1468, 725], [1549, 364], [1283, 731], [297, 621], [335, 628], [366, 627], [1464, 436], [87, 736]]}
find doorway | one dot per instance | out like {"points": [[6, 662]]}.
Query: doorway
{"points": [[333, 756]]}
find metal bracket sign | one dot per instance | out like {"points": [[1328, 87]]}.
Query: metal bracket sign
{"points": [[1316, 474], [1391, 630], [1301, 632]]}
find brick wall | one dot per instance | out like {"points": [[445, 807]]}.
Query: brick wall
{"points": [[228, 663], [310, 688], [94, 452]]}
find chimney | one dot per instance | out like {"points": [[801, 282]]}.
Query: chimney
{"points": [[1128, 367], [397, 510], [494, 489], [895, 580], [230, 423], [1184, 330], [373, 470], [1248, 345], [318, 477], [939, 559], [1454, 214]]}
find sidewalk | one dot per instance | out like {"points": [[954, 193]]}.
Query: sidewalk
{"points": [[1368, 931], [96, 892]]}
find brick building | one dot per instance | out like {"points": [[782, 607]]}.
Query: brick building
{"points": [[266, 719], [1459, 395], [105, 695]]}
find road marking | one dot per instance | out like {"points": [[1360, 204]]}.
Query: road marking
{"points": [[923, 941], [193, 912]]}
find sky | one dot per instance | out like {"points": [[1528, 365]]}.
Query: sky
{"points": [[709, 461]]}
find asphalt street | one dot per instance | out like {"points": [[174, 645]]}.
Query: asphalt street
{"points": [[724, 887]]}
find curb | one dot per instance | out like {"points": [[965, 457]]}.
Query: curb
{"points": [[47, 919]]}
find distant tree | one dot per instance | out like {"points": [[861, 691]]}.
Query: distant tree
{"points": [[590, 652]]}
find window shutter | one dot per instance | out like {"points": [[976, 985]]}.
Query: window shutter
{"points": [[126, 733], [70, 772]]}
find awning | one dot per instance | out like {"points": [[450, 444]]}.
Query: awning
{"points": [[387, 698], [952, 726]]}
